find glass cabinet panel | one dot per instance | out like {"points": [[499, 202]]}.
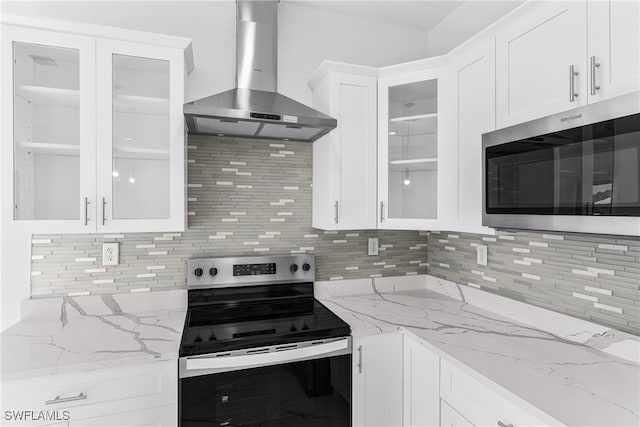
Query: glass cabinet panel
{"points": [[46, 129], [413, 150], [141, 138]]}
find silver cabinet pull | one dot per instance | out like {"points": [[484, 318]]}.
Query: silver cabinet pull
{"points": [[86, 211], [359, 359], [104, 207], [572, 91], [59, 399], [336, 208], [501, 424], [381, 211], [594, 65]]}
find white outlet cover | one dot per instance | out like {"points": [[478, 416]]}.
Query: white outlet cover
{"points": [[110, 253], [481, 255], [373, 246]]}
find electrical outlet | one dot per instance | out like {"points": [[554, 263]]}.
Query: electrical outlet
{"points": [[373, 246], [481, 255], [110, 253]]}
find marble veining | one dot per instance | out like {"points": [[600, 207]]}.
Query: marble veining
{"points": [[71, 334], [563, 377]]}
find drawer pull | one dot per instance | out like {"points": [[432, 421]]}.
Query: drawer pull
{"points": [[501, 424], [59, 399]]}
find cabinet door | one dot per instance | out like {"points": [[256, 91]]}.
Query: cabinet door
{"points": [[449, 417], [421, 397], [409, 151], [345, 160], [474, 71], [48, 179], [377, 380], [354, 97], [613, 48], [535, 54], [140, 137], [163, 416]]}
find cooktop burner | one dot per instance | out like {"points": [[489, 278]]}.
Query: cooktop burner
{"points": [[231, 313]]}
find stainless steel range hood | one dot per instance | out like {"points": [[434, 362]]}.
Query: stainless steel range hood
{"points": [[254, 109]]}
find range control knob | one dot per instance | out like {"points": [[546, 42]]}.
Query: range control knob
{"points": [[213, 271], [293, 268], [198, 272], [306, 266]]}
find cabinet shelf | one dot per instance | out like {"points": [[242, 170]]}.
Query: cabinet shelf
{"points": [[414, 117], [50, 96], [49, 148], [140, 153], [412, 161], [123, 103]]}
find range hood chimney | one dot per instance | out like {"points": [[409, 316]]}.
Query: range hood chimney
{"points": [[254, 109]]}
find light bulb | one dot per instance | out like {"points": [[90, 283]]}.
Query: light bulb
{"points": [[115, 174], [393, 132], [132, 180], [407, 181]]}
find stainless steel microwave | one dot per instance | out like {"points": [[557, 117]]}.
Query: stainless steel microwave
{"points": [[577, 171]]}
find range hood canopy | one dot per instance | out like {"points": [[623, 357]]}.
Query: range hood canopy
{"points": [[254, 109]]}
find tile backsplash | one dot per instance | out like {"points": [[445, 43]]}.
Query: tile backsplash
{"points": [[596, 278], [246, 197]]}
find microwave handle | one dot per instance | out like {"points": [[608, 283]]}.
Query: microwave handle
{"points": [[264, 359]]}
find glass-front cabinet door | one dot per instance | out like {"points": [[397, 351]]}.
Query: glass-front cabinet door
{"points": [[408, 152], [140, 137], [49, 130]]}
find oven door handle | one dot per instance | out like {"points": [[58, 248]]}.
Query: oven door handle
{"points": [[263, 359]]}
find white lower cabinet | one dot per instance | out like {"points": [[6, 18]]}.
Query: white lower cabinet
{"points": [[480, 405], [377, 380], [421, 385], [163, 416], [449, 417], [144, 394]]}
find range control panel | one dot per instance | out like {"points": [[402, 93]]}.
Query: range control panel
{"points": [[244, 271]]}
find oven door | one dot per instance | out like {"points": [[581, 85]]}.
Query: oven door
{"points": [[307, 384]]}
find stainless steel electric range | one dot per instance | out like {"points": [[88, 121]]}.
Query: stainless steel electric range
{"points": [[259, 350]]}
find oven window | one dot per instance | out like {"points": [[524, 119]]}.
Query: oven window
{"points": [[591, 170], [307, 393]]}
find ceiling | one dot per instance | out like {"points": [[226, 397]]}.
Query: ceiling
{"points": [[418, 14]]}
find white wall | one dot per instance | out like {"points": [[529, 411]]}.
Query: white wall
{"points": [[465, 21], [307, 36]]}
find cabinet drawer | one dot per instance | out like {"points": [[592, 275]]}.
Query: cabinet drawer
{"points": [[163, 416], [479, 404], [94, 393]]}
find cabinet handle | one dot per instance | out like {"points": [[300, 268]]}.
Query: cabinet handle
{"points": [[59, 399], [86, 211], [501, 424], [104, 207], [381, 211], [594, 65], [359, 359], [336, 208], [572, 92]]}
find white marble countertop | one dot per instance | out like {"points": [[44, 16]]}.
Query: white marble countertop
{"points": [[570, 381], [73, 334]]}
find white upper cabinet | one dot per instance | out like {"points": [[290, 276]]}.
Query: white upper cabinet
{"points": [[413, 156], [613, 48], [474, 71], [140, 137], [344, 160], [97, 135], [541, 65], [48, 154]]}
